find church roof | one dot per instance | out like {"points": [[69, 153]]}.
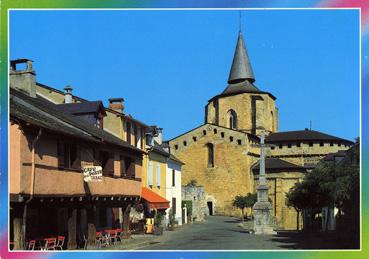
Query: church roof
{"points": [[303, 135], [277, 164], [241, 76], [241, 87], [241, 68]]}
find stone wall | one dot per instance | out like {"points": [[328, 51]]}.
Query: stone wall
{"points": [[307, 153], [242, 104], [233, 157], [197, 195]]}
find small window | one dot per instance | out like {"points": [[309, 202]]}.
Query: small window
{"points": [[210, 148], [331, 144], [204, 132], [128, 132], [135, 133], [215, 131], [231, 139], [184, 143], [339, 144], [194, 139], [321, 144], [222, 134], [68, 156], [311, 144], [272, 147], [289, 145], [239, 141], [107, 162], [298, 144], [232, 119], [130, 167], [280, 146], [176, 147]]}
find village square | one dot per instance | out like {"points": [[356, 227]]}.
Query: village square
{"points": [[84, 174]]}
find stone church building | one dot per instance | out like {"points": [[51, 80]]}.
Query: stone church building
{"points": [[222, 154]]}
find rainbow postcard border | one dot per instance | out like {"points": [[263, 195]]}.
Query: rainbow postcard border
{"points": [[81, 4]]}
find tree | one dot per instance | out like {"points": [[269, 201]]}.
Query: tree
{"points": [[243, 202], [330, 184]]}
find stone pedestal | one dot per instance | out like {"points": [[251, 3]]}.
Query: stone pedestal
{"points": [[263, 217]]}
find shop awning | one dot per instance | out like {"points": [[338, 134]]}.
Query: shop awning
{"points": [[154, 199]]}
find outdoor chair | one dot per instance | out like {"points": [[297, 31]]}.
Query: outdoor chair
{"points": [[119, 232], [85, 242], [60, 243], [31, 244], [111, 236], [50, 243], [99, 239]]}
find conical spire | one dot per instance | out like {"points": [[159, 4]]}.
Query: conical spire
{"points": [[241, 68]]}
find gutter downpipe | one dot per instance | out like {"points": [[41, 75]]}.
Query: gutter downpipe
{"points": [[33, 171]]}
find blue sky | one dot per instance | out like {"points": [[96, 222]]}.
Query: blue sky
{"points": [[168, 64]]}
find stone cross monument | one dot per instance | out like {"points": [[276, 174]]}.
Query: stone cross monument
{"points": [[263, 219]]}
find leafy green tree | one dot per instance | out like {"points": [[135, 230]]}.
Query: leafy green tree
{"points": [[243, 202], [331, 183]]}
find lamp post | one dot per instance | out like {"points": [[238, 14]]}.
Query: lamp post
{"points": [[263, 219]]}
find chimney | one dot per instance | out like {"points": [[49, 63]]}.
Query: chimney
{"points": [[158, 137], [23, 79], [68, 97], [116, 104]]}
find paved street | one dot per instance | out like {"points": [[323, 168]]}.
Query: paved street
{"points": [[217, 233], [223, 233]]}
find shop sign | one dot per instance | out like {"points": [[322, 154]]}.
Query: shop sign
{"points": [[92, 173]]}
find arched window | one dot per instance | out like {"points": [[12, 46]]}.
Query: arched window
{"points": [[232, 119], [210, 150]]}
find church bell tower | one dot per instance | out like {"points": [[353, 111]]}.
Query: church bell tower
{"points": [[242, 106]]}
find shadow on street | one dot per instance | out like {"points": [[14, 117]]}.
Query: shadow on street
{"points": [[301, 240]]}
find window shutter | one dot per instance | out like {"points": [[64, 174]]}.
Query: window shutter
{"points": [[60, 154], [158, 175], [173, 177], [149, 178]]}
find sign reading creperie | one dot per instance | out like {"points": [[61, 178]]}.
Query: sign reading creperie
{"points": [[92, 173]]}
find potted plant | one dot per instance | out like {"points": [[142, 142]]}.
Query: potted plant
{"points": [[158, 230]]}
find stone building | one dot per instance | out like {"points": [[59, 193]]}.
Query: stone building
{"points": [[222, 154]]}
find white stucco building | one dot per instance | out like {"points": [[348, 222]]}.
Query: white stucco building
{"points": [[173, 188]]}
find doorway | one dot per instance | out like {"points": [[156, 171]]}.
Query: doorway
{"points": [[210, 207]]}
